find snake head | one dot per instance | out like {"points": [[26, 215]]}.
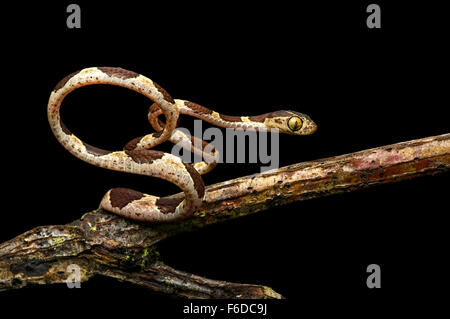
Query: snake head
{"points": [[290, 122]]}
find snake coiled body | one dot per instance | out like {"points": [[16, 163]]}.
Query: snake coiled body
{"points": [[137, 158]]}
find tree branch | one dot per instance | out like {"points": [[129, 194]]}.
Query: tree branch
{"points": [[104, 244]]}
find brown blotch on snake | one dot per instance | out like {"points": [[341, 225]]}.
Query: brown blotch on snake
{"points": [[167, 205], [121, 197], [197, 108], [95, 150], [144, 156], [258, 118], [197, 179], [131, 145], [230, 118], [166, 95], [64, 81], [280, 113], [261, 118], [118, 72]]}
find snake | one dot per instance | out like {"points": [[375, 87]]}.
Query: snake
{"points": [[138, 157]]}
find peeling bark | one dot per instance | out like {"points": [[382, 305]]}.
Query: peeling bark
{"points": [[104, 244]]}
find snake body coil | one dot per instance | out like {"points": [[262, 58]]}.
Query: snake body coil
{"points": [[136, 157]]}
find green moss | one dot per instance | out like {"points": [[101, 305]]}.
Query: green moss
{"points": [[88, 265], [127, 261], [73, 232], [84, 215], [92, 228], [149, 256], [58, 240]]}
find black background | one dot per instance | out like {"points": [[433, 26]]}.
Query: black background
{"points": [[364, 88]]}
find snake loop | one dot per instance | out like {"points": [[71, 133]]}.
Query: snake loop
{"points": [[136, 157]]}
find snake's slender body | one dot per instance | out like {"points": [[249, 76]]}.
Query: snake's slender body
{"points": [[136, 157]]}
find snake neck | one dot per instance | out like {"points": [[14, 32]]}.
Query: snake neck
{"points": [[221, 120]]}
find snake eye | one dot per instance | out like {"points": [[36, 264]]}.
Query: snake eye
{"points": [[295, 123]]}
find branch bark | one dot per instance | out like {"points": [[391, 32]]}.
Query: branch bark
{"points": [[104, 244]]}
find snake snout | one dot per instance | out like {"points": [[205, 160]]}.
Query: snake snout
{"points": [[311, 128]]}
